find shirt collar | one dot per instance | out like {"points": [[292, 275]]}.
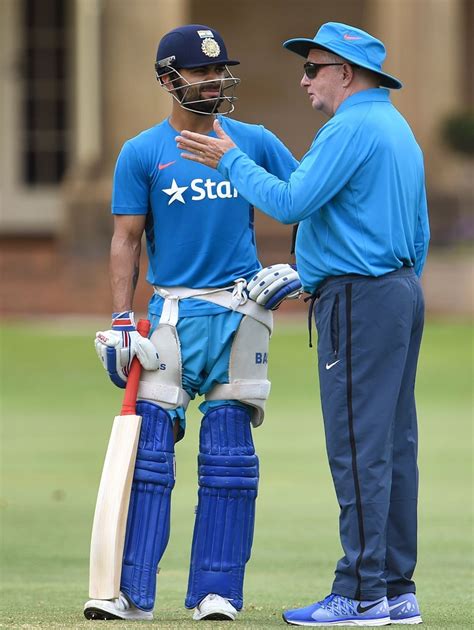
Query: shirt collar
{"points": [[365, 96]]}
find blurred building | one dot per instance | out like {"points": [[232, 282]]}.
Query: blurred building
{"points": [[77, 80]]}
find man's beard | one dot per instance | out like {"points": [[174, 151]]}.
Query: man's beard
{"points": [[187, 95]]}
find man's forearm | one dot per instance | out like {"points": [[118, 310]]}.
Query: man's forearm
{"points": [[124, 271]]}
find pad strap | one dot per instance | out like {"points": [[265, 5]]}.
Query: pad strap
{"points": [[232, 297], [171, 395], [241, 390]]}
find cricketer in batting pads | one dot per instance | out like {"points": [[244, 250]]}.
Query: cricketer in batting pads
{"points": [[359, 197], [211, 316]]}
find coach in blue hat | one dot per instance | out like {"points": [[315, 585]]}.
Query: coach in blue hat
{"points": [[351, 44], [359, 198]]}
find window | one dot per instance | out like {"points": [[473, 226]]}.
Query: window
{"points": [[45, 102]]}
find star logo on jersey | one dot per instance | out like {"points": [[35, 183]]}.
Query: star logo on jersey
{"points": [[201, 190], [175, 193]]}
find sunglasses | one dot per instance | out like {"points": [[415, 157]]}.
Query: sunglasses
{"points": [[311, 69]]}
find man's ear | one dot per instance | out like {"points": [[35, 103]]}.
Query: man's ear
{"points": [[347, 74], [167, 79]]}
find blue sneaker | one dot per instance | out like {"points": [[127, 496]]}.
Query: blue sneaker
{"points": [[337, 610], [404, 609]]}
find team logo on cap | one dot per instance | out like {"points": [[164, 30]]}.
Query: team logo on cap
{"points": [[210, 47]]}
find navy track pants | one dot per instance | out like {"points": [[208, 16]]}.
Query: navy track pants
{"points": [[369, 335]]}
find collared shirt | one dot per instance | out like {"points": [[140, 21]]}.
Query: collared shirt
{"points": [[359, 193]]}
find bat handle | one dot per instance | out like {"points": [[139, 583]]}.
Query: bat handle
{"points": [[131, 390]]}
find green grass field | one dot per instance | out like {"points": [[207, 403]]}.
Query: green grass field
{"points": [[56, 414]]}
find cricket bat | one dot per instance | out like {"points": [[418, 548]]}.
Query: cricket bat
{"points": [[111, 510]]}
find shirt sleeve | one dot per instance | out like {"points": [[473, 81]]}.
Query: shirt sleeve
{"points": [[322, 173], [130, 190], [422, 235], [276, 157]]}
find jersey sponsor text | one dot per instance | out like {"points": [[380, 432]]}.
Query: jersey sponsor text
{"points": [[202, 189]]}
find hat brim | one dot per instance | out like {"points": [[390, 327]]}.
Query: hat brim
{"points": [[302, 45]]}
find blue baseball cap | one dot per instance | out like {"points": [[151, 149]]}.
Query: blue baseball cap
{"points": [[351, 43], [192, 46]]}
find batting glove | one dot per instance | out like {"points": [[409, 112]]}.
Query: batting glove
{"points": [[271, 285], [117, 347]]}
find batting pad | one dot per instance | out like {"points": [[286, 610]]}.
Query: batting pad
{"points": [[148, 524], [223, 530]]}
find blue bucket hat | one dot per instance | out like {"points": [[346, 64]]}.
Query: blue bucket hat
{"points": [[192, 46], [351, 43]]}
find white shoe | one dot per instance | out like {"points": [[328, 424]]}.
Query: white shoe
{"points": [[120, 608], [215, 607]]}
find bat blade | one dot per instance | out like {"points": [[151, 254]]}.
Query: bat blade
{"points": [[110, 518], [111, 510]]}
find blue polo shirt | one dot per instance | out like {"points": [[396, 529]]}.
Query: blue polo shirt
{"points": [[358, 193]]}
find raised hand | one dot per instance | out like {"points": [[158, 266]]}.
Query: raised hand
{"points": [[205, 149]]}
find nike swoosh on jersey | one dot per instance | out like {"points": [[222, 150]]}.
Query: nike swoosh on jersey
{"points": [[330, 365], [162, 166], [363, 609]]}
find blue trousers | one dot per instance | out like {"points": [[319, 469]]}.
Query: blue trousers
{"points": [[369, 335]]}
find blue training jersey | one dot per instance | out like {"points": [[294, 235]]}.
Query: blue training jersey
{"points": [[199, 229], [359, 193]]}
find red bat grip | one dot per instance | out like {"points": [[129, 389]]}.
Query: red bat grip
{"points": [[131, 390]]}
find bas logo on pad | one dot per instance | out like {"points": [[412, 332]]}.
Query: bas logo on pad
{"points": [[202, 189]]}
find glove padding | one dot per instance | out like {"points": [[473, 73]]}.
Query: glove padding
{"points": [[271, 285], [117, 347]]}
